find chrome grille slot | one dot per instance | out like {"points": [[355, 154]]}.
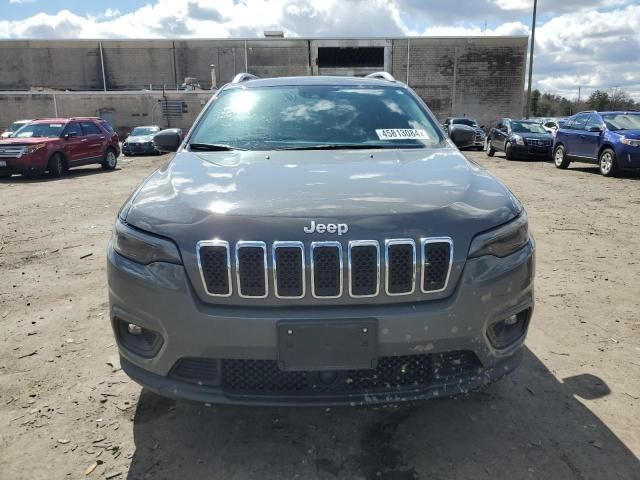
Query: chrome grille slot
{"points": [[364, 268], [251, 269], [288, 269], [400, 257], [12, 151], [326, 269], [215, 267], [437, 257]]}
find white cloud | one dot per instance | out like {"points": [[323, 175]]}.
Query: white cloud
{"points": [[17, 2]]}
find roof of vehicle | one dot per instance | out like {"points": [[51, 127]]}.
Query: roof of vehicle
{"points": [[316, 80], [146, 126], [463, 118], [63, 120]]}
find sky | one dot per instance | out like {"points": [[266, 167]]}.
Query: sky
{"points": [[592, 44]]}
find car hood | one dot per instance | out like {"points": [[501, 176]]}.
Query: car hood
{"points": [[27, 140], [635, 134], [139, 139], [533, 135], [195, 188]]}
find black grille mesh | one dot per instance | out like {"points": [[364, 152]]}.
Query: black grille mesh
{"points": [[391, 374], [201, 371], [436, 267], [326, 274], [251, 271], [364, 270], [288, 262], [214, 269], [401, 268]]}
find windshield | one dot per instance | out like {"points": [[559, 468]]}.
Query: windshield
{"points": [[15, 126], [465, 121], [143, 131], [314, 117], [50, 130], [622, 121], [527, 127]]}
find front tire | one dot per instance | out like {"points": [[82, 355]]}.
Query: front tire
{"points": [[56, 166], [560, 157], [508, 152], [608, 163], [110, 160], [490, 150]]}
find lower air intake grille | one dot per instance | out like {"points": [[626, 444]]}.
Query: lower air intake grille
{"points": [[392, 374], [327, 269], [252, 264], [401, 268], [201, 371], [436, 265]]}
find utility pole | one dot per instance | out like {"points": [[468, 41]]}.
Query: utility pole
{"points": [[533, 44]]}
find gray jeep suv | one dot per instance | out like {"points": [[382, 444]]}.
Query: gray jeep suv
{"points": [[319, 241]]}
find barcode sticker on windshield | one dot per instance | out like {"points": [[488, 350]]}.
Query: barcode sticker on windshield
{"points": [[402, 134]]}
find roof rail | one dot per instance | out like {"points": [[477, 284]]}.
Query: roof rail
{"points": [[382, 76], [243, 77], [587, 111]]}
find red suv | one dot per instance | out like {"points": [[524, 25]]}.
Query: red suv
{"points": [[57, 144]]}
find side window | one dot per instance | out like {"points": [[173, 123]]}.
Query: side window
{"points": [[580, 122], [73, 129], [90, 128], [106, 126], [594, 121]]}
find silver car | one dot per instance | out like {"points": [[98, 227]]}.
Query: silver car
{"points": [[319, 241]]}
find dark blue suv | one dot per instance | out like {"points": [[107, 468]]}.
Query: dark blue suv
{"points": [[609, 139]]}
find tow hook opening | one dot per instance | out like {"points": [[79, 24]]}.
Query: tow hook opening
{"points": [[506, 332]]}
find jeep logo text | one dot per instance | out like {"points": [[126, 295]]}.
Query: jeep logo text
{"points": [[339, 228]]}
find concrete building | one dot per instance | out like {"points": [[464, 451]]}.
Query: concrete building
{"points": [[122, 80]]}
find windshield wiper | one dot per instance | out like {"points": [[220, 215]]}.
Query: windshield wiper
{"points": [[347, 146], [212, 147]]}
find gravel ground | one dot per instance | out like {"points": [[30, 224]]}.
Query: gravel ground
{"points": [[572, 411]]}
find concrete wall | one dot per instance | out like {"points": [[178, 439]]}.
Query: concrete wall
{"points": [[482, 77], [127, 109]]}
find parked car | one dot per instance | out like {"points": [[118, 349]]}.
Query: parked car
{"points": [[292, 253], [519, 139], [609, 139], [552, 125], [140, 141], [11, 129], [57, 144], [469, 122]]}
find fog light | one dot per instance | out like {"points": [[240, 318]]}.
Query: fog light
{"points": [[508, 331], [134, 329], [139, 340], [512, 320]]}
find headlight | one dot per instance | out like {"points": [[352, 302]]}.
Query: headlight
{"points": [[141, 247], [502, 241], [630, 141], [519, 140], [34, 148]]}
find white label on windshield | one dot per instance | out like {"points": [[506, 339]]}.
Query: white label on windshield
{"points": [[402, 134]]}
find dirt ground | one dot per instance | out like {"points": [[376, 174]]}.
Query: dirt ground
{"points": [[572, 411]]}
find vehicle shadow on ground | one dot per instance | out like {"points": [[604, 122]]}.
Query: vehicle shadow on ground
{"points": [[74, 173], [627, 174], [529, 425]]}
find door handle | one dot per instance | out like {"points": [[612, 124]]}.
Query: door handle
{"points": [[83, 140]]}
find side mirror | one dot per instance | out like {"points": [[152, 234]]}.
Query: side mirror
{"points": [[462, 135], [168, 140], [595, 129]]}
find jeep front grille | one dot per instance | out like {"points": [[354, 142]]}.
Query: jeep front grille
{"points": [[404, 263]]}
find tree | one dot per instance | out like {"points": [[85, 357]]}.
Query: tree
{"points": [[599, 100], [620, 100]]}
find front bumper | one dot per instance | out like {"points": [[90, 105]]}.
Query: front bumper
{"points": [[139, 148], [160, 298], [530, 151], [24, 164]]}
